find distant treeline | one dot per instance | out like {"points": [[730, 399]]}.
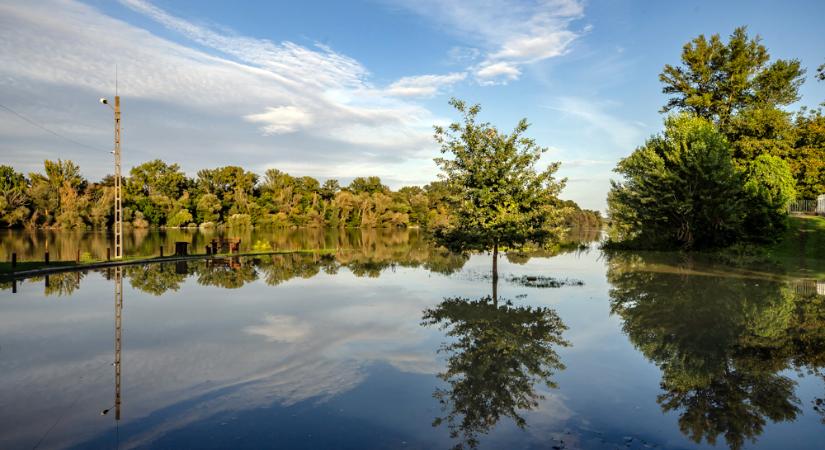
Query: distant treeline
{"points": [[159, 194]]}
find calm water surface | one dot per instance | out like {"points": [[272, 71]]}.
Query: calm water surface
{"points": [[391, 344]]}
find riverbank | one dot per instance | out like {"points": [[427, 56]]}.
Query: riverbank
{"points": [[25, 269], [804, 238]]}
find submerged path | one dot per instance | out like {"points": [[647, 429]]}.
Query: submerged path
{"points": [[8, 274]]}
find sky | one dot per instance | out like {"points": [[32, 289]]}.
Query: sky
{"points": [[334, 89]]}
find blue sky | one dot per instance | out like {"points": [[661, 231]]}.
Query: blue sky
{"points": [[337, 89]]}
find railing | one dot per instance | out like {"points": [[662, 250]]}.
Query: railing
{"points": [[820, 205], [803, 207]]}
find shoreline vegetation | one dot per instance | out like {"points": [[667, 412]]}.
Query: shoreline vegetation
{"points": [[731, 158], [160, 195]]}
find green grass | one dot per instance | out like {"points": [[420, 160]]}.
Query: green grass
{"points": [[804, 239]]}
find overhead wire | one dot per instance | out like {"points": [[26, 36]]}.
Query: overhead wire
{"points": [[44, 128]]}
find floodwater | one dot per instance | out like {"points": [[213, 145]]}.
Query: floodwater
{"points": [[388, 343]]}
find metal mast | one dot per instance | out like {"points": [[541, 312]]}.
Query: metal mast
{"points": [[118, 190]]}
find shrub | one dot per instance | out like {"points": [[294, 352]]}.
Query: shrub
{"points": [[680, 189], [769, 188], [239, 221], [180, 218]]}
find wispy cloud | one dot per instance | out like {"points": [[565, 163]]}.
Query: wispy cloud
{"points": [[423, 85], [594, 116], [209, 95], [511, 33]]}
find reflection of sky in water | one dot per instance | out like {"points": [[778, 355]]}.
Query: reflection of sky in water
{"points": [[328, 361]]}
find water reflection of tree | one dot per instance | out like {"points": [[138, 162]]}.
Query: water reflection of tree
{"points": [[721, 342], [500, 353], [155, 278], [227, 273], [60, 284]]}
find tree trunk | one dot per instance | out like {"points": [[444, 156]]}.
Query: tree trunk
{"points": [[495, 274]]}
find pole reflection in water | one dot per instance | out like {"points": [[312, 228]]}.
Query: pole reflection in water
{"points": [[118, 323], [118, 278]]}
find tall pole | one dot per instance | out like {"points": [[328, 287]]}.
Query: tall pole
{"points": [[118, 190]]}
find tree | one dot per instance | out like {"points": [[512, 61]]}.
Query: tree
{"points": [[769, 186], [13, 197], [680, 189], [499, 200], [717, 80], [227, 184], [329, 189], [45, 190], [370, 185], [157, 178], [807, 157], [209, 208]]}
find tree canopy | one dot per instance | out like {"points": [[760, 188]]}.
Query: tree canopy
{"points": [[717, 80], [499, 198]]}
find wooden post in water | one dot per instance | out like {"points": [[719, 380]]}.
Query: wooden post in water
{"points": [[46, 257], [13, 260], [108, 253], [14, 286], [161, 251], [77, 257]]}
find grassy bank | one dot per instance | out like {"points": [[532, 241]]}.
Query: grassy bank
{"points": [[804, 239]]}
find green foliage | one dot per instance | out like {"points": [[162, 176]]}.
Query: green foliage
{"points": [[208, 208], [769, 187], [239, 221], [498, 197], [261, 246], [807, 158], [581, 219], [13, 196], [370, 185], [680, 189], [181, 218], [716, 79]]}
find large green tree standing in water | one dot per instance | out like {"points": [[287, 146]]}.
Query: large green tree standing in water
{"points": [[500, 199]]}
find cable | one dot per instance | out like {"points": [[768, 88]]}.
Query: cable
{"points": [[32, 122]]}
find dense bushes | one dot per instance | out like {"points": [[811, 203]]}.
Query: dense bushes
{"points": [[681, 189]]}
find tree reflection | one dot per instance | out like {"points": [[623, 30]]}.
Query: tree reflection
{"points": [[721, 339], [228, 273], [155, 279], [500, 353]]}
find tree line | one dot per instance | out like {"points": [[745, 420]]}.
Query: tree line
{"points": [[731, 157], [157, 194]]}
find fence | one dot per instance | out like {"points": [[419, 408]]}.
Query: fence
{"points": [[820, 205], [804, 207]]}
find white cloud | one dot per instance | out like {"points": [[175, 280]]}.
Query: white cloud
{"points": [[282, 119], [513, 33], [497, 70], [213, 94], [423, 85]]}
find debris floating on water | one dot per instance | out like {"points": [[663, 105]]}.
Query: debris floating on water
{"points": [[544, 282]]}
